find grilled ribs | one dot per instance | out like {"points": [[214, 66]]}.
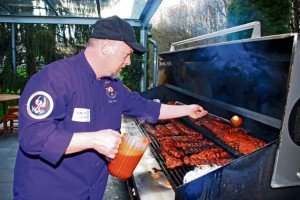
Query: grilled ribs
{"points": [[171, 162], [150, 129], [181, 145], [236, 138]]}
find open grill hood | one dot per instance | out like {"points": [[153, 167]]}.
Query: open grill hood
{"points": [[257, 79]]}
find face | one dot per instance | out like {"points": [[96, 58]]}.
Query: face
{"points": [[120, 54]]}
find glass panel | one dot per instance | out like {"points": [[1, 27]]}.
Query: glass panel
{"points": [[127, 9], [3, 11], [75, 8], [27, 7]]}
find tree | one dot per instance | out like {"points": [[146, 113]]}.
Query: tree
{"points": [[5, 42], [36, 46], [131, 75], [189, 19], [295, 12], [274, 15]]}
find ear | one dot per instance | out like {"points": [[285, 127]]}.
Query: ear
{"points": [[105, 47]]}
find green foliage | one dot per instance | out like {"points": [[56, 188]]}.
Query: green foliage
{"points": [[82, 34], [273, 15], [45, 44], [131, 75], [29, 34], [22, 72], [38, 45], [11, 82], [5, 41]]}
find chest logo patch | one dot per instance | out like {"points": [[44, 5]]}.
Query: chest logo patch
{"points": [[110, 91], [39, 105]]}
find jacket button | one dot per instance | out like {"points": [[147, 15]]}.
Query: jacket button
{"points": [[97, 163], [101, 108]]}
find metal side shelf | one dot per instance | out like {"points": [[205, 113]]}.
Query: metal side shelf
{"points": [[146, 187]]}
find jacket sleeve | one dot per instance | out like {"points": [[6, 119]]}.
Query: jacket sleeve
{"points": [[137, 106], [42, 107]]}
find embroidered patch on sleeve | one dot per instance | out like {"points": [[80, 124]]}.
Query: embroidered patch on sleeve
{"points": [[39, 105]]}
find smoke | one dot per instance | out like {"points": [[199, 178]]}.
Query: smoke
{"points": [[251, 75]]}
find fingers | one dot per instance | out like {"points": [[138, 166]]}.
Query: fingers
{"points": [[202, 114], [198, 112], [108, 142], [113, 154], [117, 135], [115, 143]]}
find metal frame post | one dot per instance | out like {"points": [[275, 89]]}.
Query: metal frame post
{"points": [[143, 40], [155, 61], [13, 47]]}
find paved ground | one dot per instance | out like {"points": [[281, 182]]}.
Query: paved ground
{"points": [[8, 149]]}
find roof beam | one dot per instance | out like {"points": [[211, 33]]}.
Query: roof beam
{"points": [[149, 10], [7, 9], [56, 20], [98, 3], [51, 7]]}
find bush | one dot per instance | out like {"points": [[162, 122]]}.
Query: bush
{"points": [[132, 74], [11, 82]]}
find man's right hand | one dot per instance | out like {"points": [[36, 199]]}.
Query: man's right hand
{"points": [[107, 142]]}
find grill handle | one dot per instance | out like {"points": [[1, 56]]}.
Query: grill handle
{"points": [[256, 33]]}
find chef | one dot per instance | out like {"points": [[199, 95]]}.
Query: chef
{"points": [[70, 117]]}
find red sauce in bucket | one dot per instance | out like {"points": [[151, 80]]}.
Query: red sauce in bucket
{"points": [[126, 160], [123, 166]]}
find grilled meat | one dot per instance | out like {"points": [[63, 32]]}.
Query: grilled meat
{"points": [[183, 138], [181, 145], [186, 130], [150, 129], [169, 146], [171, 162], [236, 138], [163, 130], [194, 143], [173, 129]]}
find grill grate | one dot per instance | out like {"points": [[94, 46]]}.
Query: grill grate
{"points": [[175, 176]]}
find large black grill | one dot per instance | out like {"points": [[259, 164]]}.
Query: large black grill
{"points": [[256, 79]]}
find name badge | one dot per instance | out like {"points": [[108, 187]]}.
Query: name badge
{"points": [[81, 115]]}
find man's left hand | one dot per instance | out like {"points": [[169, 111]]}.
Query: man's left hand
{"points": [[196, 111]]}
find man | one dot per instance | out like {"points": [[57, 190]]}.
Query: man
{"points": [[70, 117]]}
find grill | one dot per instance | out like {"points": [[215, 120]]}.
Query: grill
{"points": [[256, 79]]}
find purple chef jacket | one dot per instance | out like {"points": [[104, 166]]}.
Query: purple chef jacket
{"points": [[63, 98]]}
